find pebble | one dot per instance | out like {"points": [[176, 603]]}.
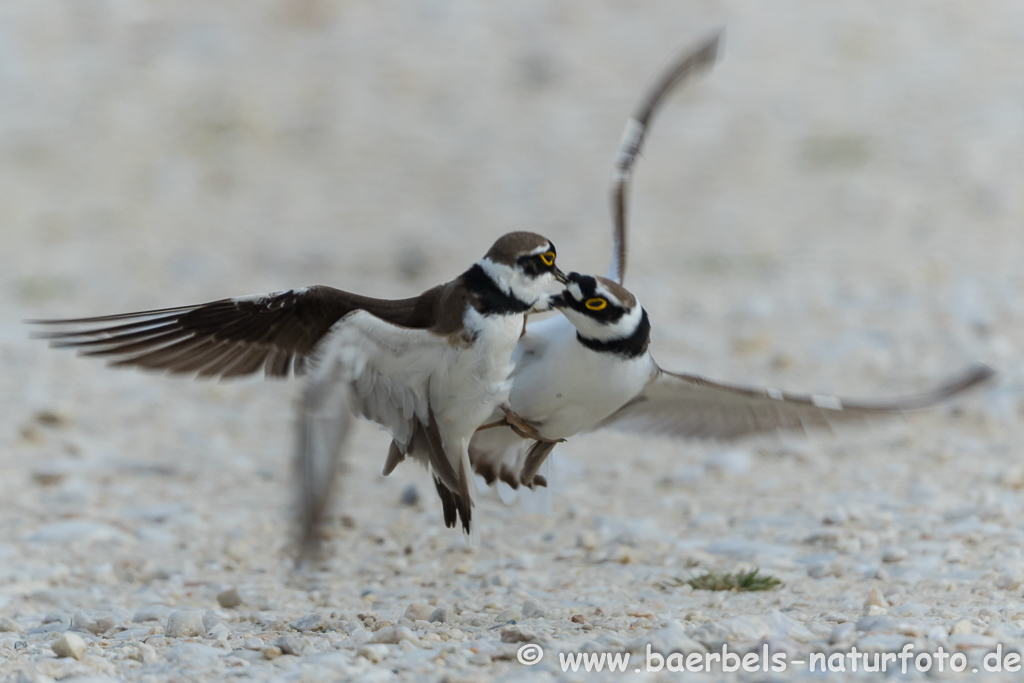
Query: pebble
{"points": [[508, 615], [961, 627], [211, 619], [875, 599], [132, 634], [419, 611], [309, 622], [184, 624], [893, 553], [96, 623], [229, 598], [730, 461], [515, 634], [193, 654], [220, 631], [69, 645], [441, 615], [152, 613], [291, 645], [373, 653], [143, 652], [8, 625], [842, 633], [1009, 580], [879, 622], [395, 634], [411, 495], [532, 609]]}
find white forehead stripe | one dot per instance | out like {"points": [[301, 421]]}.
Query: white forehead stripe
{"points": [[541, 249], [575, 290]]}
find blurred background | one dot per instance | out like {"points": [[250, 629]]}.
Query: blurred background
{"points": [[836, 207]]}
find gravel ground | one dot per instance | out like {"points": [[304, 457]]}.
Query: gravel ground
{"points": [[836, 208]]}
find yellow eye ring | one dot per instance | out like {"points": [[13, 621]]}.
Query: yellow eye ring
{"points": [[548, 257], [596, 304]]}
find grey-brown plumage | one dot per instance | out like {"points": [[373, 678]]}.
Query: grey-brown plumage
{"points": [[390, 361], [688, 406], [275, 333]]}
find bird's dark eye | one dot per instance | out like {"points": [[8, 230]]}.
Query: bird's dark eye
{"points": [[596, 304], [548, 257]]}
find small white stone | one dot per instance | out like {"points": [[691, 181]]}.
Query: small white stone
{"points": [[1009, 580], [961, 627], [219, 632], [418, 611], [69, 645], [875, 599], [373, 653], [836, 516], [309, 622], [184, 624], [143, 652], [893, 553], [151, 613], [229, 598], [532, 609]]}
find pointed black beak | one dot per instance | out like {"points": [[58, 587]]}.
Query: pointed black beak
{"points": [[560, 276]]}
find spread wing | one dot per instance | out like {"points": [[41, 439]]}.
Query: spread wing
{"points": [[274, 333], [687, 406], [688, 64], [368, 367]]}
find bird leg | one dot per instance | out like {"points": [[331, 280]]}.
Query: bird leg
{"points": [[524, 428]]}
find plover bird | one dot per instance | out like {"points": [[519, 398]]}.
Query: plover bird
{"points": [[429, 369], [592, 369]]}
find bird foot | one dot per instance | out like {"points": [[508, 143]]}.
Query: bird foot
{"points": [[524, 428]]}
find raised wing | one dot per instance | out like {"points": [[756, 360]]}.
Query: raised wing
{"points": [[274, 332], [690, 63], [687, 406]]}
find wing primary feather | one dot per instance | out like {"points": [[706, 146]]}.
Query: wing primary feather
{"points": [[692, 62], [689, 406]]}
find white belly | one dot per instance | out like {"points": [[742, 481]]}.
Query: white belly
{"points": [[473, 381], [567, 388]]}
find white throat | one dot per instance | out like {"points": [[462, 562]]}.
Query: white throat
{"points": [[533, 291]]}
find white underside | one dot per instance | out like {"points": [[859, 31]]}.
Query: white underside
{"points": [[393, 375], [562, 387]]}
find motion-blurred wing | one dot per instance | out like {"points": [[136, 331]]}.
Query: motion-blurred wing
{"points": [[687, 406], [368, 367], [324, 420], [227, 338], [690, 63]]}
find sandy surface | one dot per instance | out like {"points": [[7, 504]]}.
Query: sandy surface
{"points": [[837, 208]]}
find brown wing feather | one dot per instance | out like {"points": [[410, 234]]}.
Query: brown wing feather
{"points": [[687, 406], [232, 337]]}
